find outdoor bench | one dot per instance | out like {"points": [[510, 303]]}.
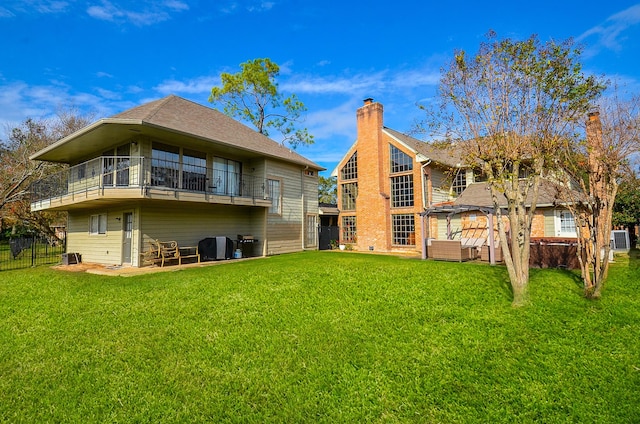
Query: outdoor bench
{"points": [[162, 252]]}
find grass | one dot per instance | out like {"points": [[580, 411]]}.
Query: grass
{"points": [[318, 337]]}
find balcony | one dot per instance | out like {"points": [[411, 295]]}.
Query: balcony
{"points": [[114, 179]]}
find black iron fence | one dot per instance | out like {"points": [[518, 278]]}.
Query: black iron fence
{"points": [[28, 251]]}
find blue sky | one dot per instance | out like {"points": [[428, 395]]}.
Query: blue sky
{"points": [[107, 56]]}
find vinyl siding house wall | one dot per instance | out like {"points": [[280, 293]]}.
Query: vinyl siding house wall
{"points": [[175, 170]]}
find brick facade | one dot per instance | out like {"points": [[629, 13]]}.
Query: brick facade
{"points": [[374, 211]]}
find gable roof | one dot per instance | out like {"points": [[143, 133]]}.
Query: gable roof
{"points": [[183, 119], [445, 155]]}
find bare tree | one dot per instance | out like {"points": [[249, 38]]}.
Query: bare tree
{"points": [[597, 166], [509, 108], [17, 171]]}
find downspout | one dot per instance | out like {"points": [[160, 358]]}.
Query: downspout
{"points": [[425, 201], [302, 209], [424, 188]]}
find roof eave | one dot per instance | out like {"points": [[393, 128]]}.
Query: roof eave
{"points": [[65, 141]]}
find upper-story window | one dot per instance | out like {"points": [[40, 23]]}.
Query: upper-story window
{"points": [[165, 164], [400, 161], [350, 169], [459, 181], [116, 160], [194, 170], [402, 191], [349, 194], [226, 177]]}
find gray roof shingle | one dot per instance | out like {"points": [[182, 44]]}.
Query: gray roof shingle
{"points": [[178, 114], [446, 155], [478, 194]]}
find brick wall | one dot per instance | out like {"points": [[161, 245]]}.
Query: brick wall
{"points": [[373, 204]]}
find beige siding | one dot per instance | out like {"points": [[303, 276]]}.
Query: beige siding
{"points": [[284, 232], [440, 193], [549, 223], [456, 227], [311, 207], [189, 222], [188, 226], [98, 248]]}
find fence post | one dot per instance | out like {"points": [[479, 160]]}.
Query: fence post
{"points": [[33, 251]]}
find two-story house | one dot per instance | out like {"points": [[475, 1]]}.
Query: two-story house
{"points": [[172, 169], [386, 179], [394, 191]]}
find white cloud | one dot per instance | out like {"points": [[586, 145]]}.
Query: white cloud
{"points": [[251, 6], [6, 13], [337, 121], [193, 86], [363, 84], [610, 33], [176, 5], [152, 12], [19, 101]]}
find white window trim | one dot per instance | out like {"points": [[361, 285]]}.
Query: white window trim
{"points": [[278, 205], [558, 225]]}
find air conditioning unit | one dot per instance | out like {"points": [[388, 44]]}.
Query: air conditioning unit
{"points": [[71, 258], [620, 240]]}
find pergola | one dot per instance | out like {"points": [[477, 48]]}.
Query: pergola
{"points": [[452, 210]]}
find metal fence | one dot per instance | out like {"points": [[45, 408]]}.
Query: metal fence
{"points": [[28, 251]]}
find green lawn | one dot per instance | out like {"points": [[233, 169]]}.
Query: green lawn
{"points": [[318, 337]]}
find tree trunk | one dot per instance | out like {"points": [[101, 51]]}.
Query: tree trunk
{"points": [[515, 249]]}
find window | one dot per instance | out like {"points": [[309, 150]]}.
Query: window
{"points": [[194, 170], [226, 176], [459, 182], [82, 170], [348, 229], [123, 162], [349, 195], [165, 162], [402, 191], [108, 163], [403, 230], [400, 161], [274, 193], [350, 169], [567, 224], [309, 173], [98, 224]]}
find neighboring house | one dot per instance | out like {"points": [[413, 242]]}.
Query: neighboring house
{"points": [[172, 169], [551, 218], [386, 180]]}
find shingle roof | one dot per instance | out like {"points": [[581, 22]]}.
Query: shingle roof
{"points": [[178, 114], [175, 115], [478, 194], [446, 155]]}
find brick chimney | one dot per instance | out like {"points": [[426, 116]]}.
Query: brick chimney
{"points": [[372, 204], [369, 118]]}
